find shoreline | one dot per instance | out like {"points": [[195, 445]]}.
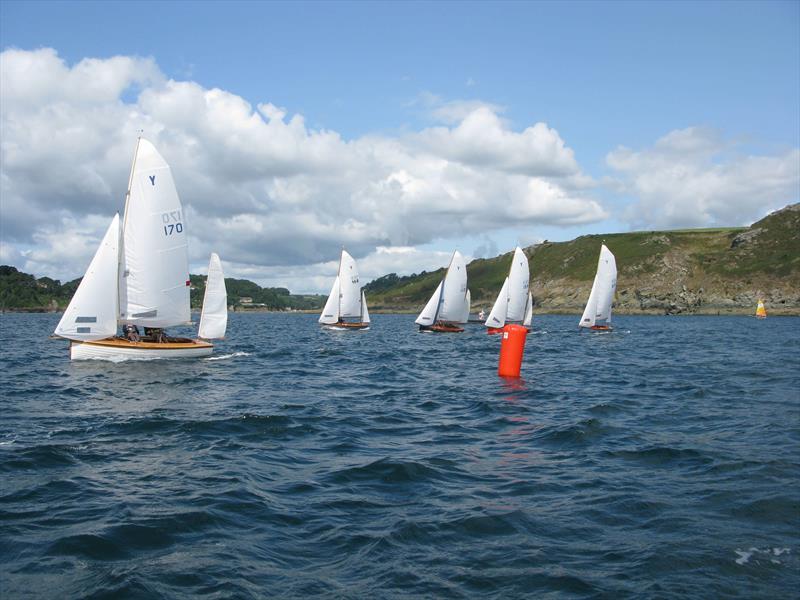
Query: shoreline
{"points": [[702, 312]]}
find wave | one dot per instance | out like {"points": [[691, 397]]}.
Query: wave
{"points": [[227, 356]]}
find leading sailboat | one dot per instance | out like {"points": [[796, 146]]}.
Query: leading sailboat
{"points": [[139, 277], [597, 314], [449, 306], [346, 307], [515, 301]]}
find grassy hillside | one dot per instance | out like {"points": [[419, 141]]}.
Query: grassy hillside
{"points": [[696, 270]]}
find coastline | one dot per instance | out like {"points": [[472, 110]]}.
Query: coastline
{"points": [[652, 312]]}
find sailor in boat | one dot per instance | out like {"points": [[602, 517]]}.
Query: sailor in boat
{"points": [[131, 333], [481, 316], [155, 334]]}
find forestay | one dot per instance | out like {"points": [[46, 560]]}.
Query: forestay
{"points": [[92, 312], [214, 317], [154, 271]]}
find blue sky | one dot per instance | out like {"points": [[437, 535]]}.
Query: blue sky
{"points": [[601, 75]]}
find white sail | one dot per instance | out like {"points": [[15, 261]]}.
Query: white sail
{"points": [[454, 288], [607, 279], [154, 271], [528, 311], [467, 303], [428, 314], [349, 287], [92, 312], [518, 281], [497, 316], [365, 313], [214, 317], [330, 314], [598, 307]]}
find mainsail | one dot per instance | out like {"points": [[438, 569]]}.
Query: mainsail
{"points": [[454, 289], [349, 288], [214, 316], [154, 269], [92, 312]]}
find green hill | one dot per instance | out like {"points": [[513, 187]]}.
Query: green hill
{"points": [[23, 292], [695, 270]]}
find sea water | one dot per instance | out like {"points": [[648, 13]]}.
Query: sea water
{"points": [[661, 460]]}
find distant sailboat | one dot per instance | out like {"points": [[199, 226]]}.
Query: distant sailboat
{"points": [[346, 307], [139, 275], [761, 312], [514, 303], [214, 316], [449, 306], [597, 314]]}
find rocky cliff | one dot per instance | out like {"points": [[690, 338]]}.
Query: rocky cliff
{"points": [[705, 271]]}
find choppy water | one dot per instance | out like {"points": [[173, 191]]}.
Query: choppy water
{"points": [[662, 460]]}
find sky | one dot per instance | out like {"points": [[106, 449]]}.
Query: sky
{"points": [[400, 131]]}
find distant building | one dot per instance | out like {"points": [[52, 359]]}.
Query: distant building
{"points": [[245, 300]]}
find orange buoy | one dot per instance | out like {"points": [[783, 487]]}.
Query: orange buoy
{"points": [[512, 348]]}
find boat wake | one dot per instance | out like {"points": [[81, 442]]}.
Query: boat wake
{"points": [[227, 356]]}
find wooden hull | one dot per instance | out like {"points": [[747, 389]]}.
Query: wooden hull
{"points": [[441, 328], [347, 326], [119, 349]]}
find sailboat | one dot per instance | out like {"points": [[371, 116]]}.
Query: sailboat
{"points": [[515, 300], [448, 307], [346, 307], [139, 277], [761, 312], [597, 314]]}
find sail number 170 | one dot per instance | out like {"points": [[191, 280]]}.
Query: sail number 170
{"points": [[172, 222]]}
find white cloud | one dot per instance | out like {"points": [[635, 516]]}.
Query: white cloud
{"points": [[258, 185], [694, 178]]}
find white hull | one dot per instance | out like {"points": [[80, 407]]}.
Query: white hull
{"points": [[95, 351]]}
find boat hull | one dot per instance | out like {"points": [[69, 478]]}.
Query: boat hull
{"points": [[441, 328], [598, 328], [347, 326], [119, 349]]}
